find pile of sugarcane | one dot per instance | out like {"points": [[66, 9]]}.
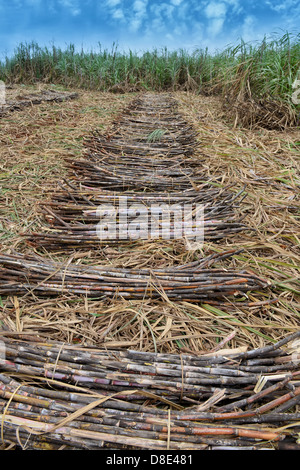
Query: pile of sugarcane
{"points": [[121, 176], [150, 126], [36, 98], [20, 274], [74, 214], [54, 394], [146, 148]]}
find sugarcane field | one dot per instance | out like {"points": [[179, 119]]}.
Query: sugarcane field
{"points": [[149, 265]]}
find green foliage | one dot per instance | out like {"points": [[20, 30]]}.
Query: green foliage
{"points": [[264, 69], [156, 135]]}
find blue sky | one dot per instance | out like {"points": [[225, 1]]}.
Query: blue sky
{"points": [[142, 25]]}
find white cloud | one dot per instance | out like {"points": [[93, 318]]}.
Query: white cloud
{"points": [[215, 26], [139, 9], [280, 6], [164, 10], [134, 14], [118, 14], [289, 12], [248, 28], [113, 8], [216, 13], [215, 10], [113, 3], [71, 5]]}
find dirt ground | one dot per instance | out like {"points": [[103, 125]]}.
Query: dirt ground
{"points": [[34, 143]]}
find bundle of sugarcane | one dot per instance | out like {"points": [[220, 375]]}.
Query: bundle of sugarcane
{"points": [[161, 107], [152, 111], [88, 398], [100, 155], [148, 130], [137, 147], [75, 213], [95, 237], [136, 155], [20, 274], [150, 126], [129, 177], [129, 168], [35, 98], [144, 140], [72, 203]]}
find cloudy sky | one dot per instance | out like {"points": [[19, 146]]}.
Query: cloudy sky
{"points": [[142, 25]]}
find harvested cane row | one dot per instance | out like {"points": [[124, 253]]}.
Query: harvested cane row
{"points": [[21, 274], [147, 149], [90, 398], [147, 159], [150, 126], [73, 216], [35, 98]]}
